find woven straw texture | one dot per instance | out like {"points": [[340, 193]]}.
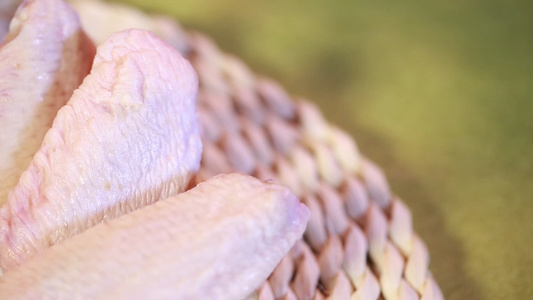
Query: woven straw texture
{"points": [[359, 243]]}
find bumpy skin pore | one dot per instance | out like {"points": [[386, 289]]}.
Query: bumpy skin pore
{"points": [[46, 57], [219, 240], [128, 137]]}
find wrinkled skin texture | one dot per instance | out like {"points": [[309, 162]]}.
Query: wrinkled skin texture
{"points": [[219, 240], [128, 137], [111, 151], [46, 57]]}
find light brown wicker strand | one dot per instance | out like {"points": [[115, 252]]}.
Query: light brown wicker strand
{"points": [[359, 243]]}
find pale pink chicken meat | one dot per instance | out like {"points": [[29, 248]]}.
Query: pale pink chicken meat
{"points": [[128, 137], [220, 240], [46, 57]]}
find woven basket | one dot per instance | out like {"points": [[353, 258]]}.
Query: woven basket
{"points": [[359, 243]]}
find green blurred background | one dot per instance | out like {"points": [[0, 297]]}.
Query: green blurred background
{"points": [[439, 93]]}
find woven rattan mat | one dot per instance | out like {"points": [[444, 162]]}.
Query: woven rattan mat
{"points": [[359, 242]]}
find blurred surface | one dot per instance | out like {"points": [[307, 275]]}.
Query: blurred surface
{"points": [[438, 94]]}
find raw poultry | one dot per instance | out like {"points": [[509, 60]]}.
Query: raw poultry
{"points": [[45, 57], [127, 138]]}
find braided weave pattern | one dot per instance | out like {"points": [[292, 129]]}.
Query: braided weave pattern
{"points": [[359, 243]]}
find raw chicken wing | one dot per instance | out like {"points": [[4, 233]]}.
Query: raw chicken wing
{"points": [[127, 138], [46, 57]]}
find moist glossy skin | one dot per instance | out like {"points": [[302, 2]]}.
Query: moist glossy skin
{"points": [[128, 137], [46, 57], [220, 240]]}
